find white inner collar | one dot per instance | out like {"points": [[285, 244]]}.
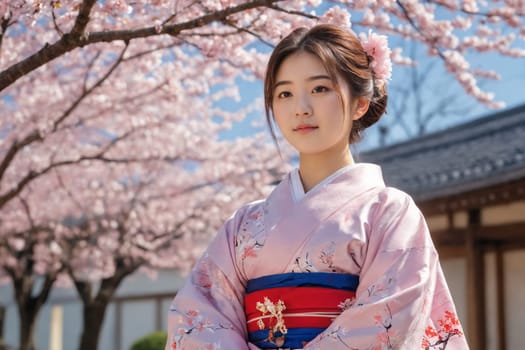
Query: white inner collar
{"points": [[297, 185]]}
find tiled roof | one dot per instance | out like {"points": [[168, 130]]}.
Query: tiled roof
{"points": [[485, 152]]}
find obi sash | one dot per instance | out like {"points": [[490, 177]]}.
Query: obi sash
{"points": [[290, 309]]}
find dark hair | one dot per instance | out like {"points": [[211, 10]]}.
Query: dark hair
{"points": [[341, 53]]}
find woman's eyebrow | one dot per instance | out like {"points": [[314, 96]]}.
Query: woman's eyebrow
{"points": [[312, 78], [319, 77]]}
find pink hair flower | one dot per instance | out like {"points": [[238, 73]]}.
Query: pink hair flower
{"points": [[376, 46]]}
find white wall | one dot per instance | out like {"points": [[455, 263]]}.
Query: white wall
{"points": [[455, 271], [491, 307], [137, 320], [514, 264], [515, 298], [138, 317]]}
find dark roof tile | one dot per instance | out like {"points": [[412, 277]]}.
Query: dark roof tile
{"points": [[485, 152]]}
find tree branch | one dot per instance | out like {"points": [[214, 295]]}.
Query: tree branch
{"points": [[82, 18], [16, 146], [86, 93], [77, 38], [4, 24], [83, 288]]}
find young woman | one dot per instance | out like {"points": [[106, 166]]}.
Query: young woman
{"points": [[332, 259]]}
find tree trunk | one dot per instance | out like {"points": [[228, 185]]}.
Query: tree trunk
{"points": [[93, 317], [94, 309], [29, 305], [2, 320], [28, 317]]}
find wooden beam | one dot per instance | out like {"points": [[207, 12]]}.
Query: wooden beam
{"points": [[490, 195], [475, 284], [504, 234], [449, 252], [452, 237], [500, 299]]}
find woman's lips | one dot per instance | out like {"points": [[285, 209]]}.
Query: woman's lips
{"points": [[305, 128]]}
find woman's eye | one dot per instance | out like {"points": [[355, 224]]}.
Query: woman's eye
{"points": [[284, 94], [319, 89]]}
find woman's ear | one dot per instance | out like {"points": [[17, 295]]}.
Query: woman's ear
{"points": [[361, 107]]}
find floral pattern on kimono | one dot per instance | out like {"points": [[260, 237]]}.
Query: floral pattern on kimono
{"points": [[354, 224], [248, 240], [391, 309], [211, 282], [207, 313], [193, 322], [437, 338]]}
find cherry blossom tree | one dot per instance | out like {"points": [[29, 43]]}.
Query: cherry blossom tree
{"points": [[111, 156], [411, 113], [118, 218]]}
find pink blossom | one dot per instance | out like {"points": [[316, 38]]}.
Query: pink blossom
{"points": [[337, 16], [376, 46]]}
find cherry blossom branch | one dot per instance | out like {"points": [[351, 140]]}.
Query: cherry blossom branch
{"points": [[246, 30], [150, 51], [15, 147], [22, 279], [87, 92], [4, 24], [55, 24], [32, 174], [468, 12], [39, 298], [83, 18], [430, 41], [124, 267], [294, 12], [122, 101], [78, 38], [90, 66], [36, 136], [69, 193]]}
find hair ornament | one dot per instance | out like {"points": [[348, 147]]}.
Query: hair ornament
{"points": [[376, 47]]}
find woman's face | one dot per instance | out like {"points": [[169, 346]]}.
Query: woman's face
{"points": [[308, 109]]}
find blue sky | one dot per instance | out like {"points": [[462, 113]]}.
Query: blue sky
{"points": [[510, 89]]}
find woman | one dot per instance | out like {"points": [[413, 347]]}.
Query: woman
{"points": [[332, 259]]}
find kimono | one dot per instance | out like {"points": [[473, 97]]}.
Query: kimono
{"points": [[349, 230]]}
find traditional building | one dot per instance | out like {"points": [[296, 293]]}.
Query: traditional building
{"points": [[469, 182]]}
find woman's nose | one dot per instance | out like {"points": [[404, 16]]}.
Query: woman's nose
{"points": [[303, 107]]}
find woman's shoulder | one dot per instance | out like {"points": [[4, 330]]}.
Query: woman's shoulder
{"points": [[251, 207], [392, 195], [246, 212], [392, 199]]}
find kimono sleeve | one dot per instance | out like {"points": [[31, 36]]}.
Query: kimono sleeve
{"points": [[208, 313], [400, 289]]}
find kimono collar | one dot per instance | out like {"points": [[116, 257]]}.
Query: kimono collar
{"points": [[289, 224], [297, 185], [343, 184]]}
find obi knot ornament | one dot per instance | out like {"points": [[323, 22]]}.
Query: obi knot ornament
{"points": [[290, 309]]}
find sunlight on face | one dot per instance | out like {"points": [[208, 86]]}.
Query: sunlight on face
{"points": [[308, 109]]}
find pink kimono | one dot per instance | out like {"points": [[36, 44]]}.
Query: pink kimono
{"points": [[350, 224]]}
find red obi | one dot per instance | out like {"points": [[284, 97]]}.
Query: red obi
{"points": [[288, 310]]}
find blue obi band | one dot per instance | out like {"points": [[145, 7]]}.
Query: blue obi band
{"points": [[288, 310]]}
